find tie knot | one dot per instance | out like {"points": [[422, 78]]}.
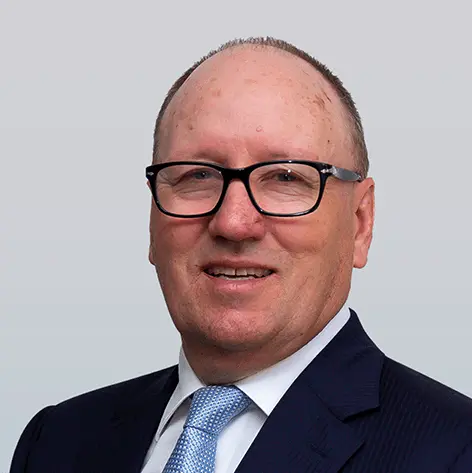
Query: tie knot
{"points": [[214, 406]]}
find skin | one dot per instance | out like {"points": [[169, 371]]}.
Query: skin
{"points": [[243, 106]]}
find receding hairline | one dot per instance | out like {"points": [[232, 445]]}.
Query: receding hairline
{"points": [[176, 100], [276, 46]]}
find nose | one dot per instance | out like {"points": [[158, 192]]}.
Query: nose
{"points": [[237, 219]]}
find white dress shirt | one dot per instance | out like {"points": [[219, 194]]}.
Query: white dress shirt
{"points": [[265, 389]]}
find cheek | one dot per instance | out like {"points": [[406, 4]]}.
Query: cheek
{"points": [[173, 241], [302, 238], [320, 239]]}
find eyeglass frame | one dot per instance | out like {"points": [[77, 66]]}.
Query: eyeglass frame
{"points": [[229, 174]]}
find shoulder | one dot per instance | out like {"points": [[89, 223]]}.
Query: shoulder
{"points": [[55, 426], [102, 402], [404, 385], [417, 422], [425, 414]]}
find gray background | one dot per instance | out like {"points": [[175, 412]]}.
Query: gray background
{"points": [[80, 85]]}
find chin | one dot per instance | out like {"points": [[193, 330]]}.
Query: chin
{"points": [[238, 344], [235, 332]]}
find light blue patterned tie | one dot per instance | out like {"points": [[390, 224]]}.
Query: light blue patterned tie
{"points": [[211, 410]]}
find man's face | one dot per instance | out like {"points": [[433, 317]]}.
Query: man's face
{"points": [[243, 107]]}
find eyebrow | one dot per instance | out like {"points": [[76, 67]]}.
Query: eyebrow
{"points": [[214, 156], [208, 156], [301, 154], [294, 155]]}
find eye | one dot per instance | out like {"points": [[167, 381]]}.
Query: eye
{"points": [[286, 176], [282, 175], [198, 174], [201, 174]]}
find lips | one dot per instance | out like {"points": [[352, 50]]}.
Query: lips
{"points": [[228, 272]]}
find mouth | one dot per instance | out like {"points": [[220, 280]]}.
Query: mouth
{"points": [[237, 274]]}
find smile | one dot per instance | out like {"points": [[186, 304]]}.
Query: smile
{"points": [[238, 273]]}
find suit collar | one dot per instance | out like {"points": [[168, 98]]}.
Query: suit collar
{"points": [[346, 374], [309, 429]]}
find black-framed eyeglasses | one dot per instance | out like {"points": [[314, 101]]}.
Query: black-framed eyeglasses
{"points": [[287, 188]]}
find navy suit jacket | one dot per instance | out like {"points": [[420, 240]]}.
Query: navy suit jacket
{"points": [[352, 410]]}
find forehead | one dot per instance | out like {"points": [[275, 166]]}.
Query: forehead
{"points": [[253, 101]]}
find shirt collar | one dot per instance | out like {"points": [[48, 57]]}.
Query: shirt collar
{"points": [[188, 384], [265, 388]]}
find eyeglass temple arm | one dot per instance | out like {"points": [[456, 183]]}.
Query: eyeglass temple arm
{"points": [[343, 174]]}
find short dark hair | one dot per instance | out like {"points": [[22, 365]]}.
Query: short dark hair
{"points": [[353, 117]]}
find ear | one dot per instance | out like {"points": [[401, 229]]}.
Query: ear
{"points": [[151, 246], [364, 221], [151, 254]]}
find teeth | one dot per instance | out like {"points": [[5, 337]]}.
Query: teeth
{"points": [[261, 272], [227, 271], [239, 272]]}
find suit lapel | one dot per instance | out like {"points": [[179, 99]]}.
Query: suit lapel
{"points": [[122, 446], [302, 436], [309, 429]]}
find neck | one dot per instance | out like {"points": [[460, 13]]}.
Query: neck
{"points": [[215, 364]]}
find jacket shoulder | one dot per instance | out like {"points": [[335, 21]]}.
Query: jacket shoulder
{"points": [[419, 424], [104, 400], [80, 415], [408, 387], [423, 416]]}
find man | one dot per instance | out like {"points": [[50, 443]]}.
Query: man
{"points": [[261, 210]]}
